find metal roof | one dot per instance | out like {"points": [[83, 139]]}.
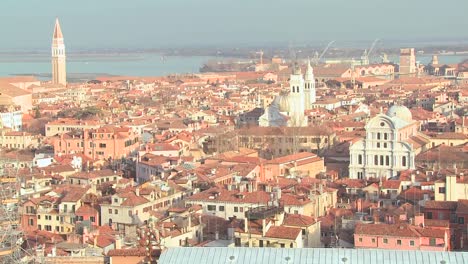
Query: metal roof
{"points": [[195, 255]]}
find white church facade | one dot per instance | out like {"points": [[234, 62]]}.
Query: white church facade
{"points": [[386, 149], [290, 109]]}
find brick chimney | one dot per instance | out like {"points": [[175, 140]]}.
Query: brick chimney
{"points": [[263, 227], [359, 205], [419, 220], [376, 218]]}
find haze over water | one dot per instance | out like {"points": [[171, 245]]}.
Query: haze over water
{"points": [[132, 64]]}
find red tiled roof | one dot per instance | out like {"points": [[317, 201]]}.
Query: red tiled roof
{"points": [[134, 252], [220, 194], [396, 230], [283, 232], [298, 220], [444, 205], [391, 184]]}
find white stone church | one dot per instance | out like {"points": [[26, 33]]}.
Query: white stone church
{"points": [[387, 147], [290, 109]]}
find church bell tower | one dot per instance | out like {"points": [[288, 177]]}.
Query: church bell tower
{"points": [[59, 72]]}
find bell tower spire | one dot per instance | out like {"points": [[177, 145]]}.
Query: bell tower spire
{"points": [[59, 73], [309, 80]]}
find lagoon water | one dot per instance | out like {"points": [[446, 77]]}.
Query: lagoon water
{"points": [[89, 65], [129, 64]]}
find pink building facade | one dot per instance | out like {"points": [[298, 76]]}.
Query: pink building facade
{"points": [[102, 143], [401, 237]]}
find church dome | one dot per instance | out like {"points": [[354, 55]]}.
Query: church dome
{"points": [[401, 112], [282, 102]]}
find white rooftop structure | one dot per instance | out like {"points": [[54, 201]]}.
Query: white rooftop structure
{"points": [[195, 255]]}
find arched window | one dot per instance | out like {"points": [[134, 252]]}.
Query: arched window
{"points": [[381, 160], [378, 135], [403, 161], [376, 160], [359, 159], [385, 135], [387, 160]]}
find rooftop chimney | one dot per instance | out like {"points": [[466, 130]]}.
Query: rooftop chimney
{"points": [[263, 227], [419, 220]]}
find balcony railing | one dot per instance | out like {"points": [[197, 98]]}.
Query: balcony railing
{"points": [[263, 212]]}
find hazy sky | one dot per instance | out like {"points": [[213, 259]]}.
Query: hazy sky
{"points": [[162, 23]]}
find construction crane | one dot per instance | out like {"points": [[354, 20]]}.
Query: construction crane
{"points": [[365, 56], [317, 57]]}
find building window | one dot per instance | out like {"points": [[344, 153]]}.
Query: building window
{"points": [[432, 242], [31, 222], [360, 239], [385, 136], [221, 208], [411, 243], [102, 145], [360, 175], [381, 160], [441, 189], [387, 160], [403, 161], [236, 209], [211, 207], [92, 219], [461, 220], [378, 144], [241, 209], [373, 240], [376, 160], [110, 211], [429, 215], [378, 135], [385, 145], [398, 242], [116, 211], [385, 240]]}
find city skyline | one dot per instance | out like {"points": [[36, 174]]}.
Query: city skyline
{"points": [[188, 23]]}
